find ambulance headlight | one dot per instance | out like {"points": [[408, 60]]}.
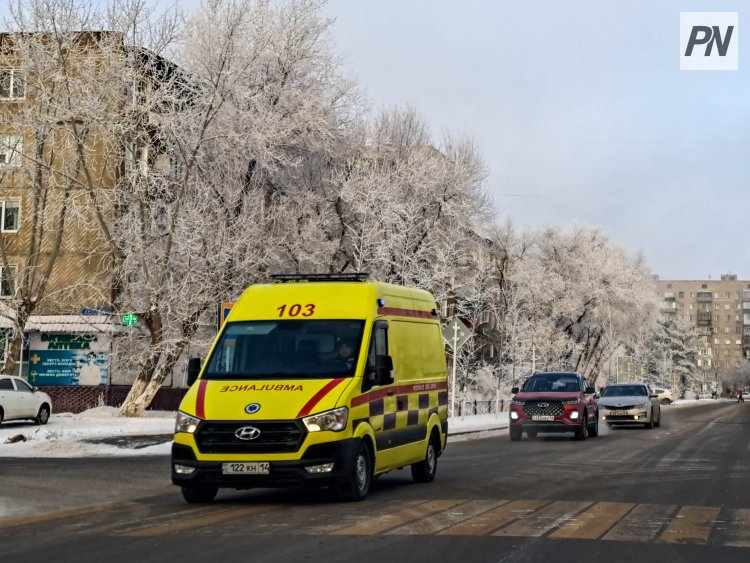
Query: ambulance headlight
{"points": [[334, 420], [186, 423]]}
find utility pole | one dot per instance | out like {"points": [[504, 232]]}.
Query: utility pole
{"points": [[533, 358]]}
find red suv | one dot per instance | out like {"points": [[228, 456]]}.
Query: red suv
{"points": [[554, 402]]}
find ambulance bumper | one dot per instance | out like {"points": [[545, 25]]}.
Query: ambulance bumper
{"points": [[281, 474]]}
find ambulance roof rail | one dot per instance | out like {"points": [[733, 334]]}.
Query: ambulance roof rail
{"points": [[342, 277]]}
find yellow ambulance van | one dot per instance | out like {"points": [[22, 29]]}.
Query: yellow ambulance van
{"points": [[315, 380]]}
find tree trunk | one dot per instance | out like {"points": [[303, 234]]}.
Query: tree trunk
{"points": [[143, 392], [131, 405], [15, 348]]}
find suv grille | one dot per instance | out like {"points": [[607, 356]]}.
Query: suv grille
{"points": [[275, 437], [535, 408]]}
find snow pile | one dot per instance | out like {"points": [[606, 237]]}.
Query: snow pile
{"points": [[96, 432]]}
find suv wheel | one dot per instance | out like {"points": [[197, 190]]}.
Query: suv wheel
{"points": [[582, 432], [360, 476], [515, 434], [665, 402], [594, 428]]}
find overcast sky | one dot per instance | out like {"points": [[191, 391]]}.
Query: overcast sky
{"points": [[580, 111]]}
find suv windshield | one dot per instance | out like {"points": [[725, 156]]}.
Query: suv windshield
{"points": [[625, 391], [298, 348], [554, 382]]}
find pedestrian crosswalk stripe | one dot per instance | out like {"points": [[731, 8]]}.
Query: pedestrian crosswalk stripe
{"points": [[643, 523], [216, 517], [594, 522], [387, 522], [442, 520], [737, 528], [544, 519], [691, 524], [489, 521]]}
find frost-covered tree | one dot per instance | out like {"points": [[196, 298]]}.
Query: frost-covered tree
{"points": [[60, 157]]}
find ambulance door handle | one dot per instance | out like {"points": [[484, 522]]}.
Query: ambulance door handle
{"points": [[389, 393]]}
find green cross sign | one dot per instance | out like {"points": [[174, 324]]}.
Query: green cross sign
{"points": [[130, 319]]}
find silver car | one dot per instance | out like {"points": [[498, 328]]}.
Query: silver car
{"points": [[19, 400], [630, 403]]}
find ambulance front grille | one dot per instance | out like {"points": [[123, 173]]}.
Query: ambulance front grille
{"points": [[275, 437]]}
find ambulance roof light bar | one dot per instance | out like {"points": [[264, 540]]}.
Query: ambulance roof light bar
{"points": [[341, 277]]}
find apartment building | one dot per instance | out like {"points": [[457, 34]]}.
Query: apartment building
{"points": [[60, 161], [719, 310]]}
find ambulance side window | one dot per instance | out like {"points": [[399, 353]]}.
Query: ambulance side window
{"points": [[378, 347]]}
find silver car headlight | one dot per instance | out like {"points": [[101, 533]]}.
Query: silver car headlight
{"points": [[334, 420], [186, 423]]}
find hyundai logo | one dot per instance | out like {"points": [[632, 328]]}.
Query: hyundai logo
{"points": [[247, 433], [543, 405], [252, 408]]}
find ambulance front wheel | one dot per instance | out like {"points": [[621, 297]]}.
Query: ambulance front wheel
{"points": [[360, 476], [424, 471], [199, 494]]}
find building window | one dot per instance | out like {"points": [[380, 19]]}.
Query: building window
{"points": [[680, 305], [11, 149], [690, 306], [681, 295], [726, 307], [7, 281], [716, 305], [729, 318], [726, 295], [726, 330], [704, 285], [10, 212], [692, 317], [12, 84]]}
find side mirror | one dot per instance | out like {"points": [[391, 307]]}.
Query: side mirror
{"points": [[383, 369], [590, 391], [35, 389], [193, 369], [514, 390]]}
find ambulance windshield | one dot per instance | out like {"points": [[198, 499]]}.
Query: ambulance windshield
{"points": [[288, 348]]}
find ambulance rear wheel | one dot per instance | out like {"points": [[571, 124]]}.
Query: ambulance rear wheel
{"points": [[360, 477], [199, 494], [424, 471]]}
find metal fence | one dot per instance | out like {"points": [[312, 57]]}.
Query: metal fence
{"points": [[467, 407]]}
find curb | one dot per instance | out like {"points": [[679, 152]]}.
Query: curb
{"points": [[477, 431]]}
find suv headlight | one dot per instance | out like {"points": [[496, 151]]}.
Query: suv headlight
{"points": [[571, 401], [517, 401], [186, 423], [334, 420]]}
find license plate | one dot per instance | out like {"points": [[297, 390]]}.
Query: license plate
{"points": [[254, 468], [542, 417], [619, 413]]}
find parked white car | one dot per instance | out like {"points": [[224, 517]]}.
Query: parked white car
{"points": [[664, 396], [19, 400]]}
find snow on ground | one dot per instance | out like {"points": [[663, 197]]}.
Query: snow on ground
{"points": [[79, 435], [100, 432]]}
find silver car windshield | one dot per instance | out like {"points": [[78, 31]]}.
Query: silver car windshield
{"points": [[625, 391]]}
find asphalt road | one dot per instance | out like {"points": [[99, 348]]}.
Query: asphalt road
{"points": [[677, 493]]}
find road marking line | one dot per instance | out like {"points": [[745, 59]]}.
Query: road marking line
{"points": [[437, 522], [594, 522], [544, 519], [692, 524], [495, 518], [189, 523], [386, 522], [738, 528], [643, 523], [341, 516], [61, 514]]}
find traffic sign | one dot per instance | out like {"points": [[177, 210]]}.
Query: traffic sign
{"points": [[456, 333]]}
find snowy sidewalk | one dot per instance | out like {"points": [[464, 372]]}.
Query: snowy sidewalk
{"points": [[100, 432]]}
